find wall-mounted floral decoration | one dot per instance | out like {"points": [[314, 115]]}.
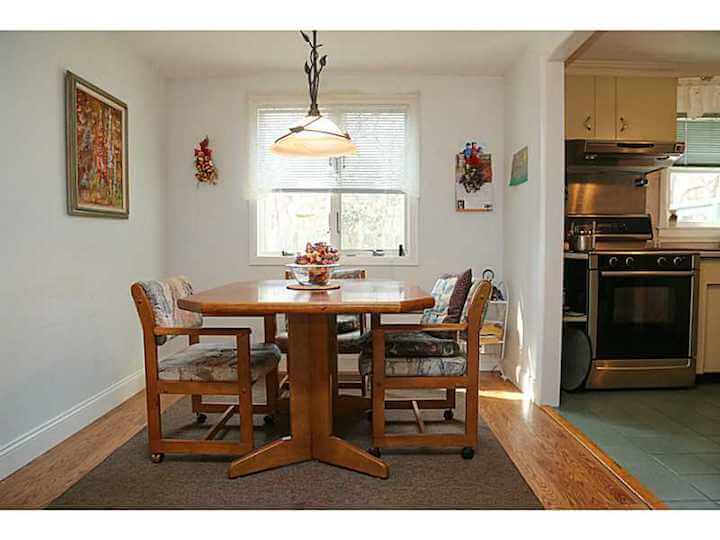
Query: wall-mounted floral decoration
{"points": [[205, 170]]}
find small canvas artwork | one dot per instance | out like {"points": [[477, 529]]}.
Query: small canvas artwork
{"points": [[473, 180], [97, 152], [519, 174]]}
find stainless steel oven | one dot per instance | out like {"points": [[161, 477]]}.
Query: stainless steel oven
{"points": [[641, 318]]}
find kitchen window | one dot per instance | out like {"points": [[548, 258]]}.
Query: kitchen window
{"points": [[694, 196], [692, 187], [365, 204]]}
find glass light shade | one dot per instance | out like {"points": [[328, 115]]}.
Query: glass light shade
{"points": [[314, 137]]}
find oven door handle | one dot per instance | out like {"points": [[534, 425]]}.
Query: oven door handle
{"points": [[647, 273]]}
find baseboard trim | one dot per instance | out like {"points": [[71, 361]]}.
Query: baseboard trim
{"points": [[23, 449]]}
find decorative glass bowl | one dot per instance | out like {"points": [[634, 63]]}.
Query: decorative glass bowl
{"points": [[312, 274]]}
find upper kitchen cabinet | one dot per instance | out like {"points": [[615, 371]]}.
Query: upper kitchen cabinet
{"points": [[579, 107], [646, 108], [632, 108]]}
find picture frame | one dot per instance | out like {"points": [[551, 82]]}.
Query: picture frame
{"points": [[97, 161]]}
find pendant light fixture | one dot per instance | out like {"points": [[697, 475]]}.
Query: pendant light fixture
{"points": [[314, 135]]}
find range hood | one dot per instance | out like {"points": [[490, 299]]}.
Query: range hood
{"points": [[631, 157]]}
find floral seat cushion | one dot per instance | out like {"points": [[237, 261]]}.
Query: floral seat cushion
{"points": [[414, 344], [417, 366], [348, 343], [348, 323], [216, 362], [348, 334]]}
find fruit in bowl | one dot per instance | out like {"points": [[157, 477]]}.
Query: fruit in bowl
{"points": [[314, 267]]}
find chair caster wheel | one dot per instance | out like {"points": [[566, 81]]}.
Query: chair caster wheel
{"points": [[269, 420], [156, 458], [369, 416], [200, 418], [448, 414], [374, 451], [468, 453]]}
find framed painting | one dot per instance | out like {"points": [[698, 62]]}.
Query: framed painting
{"points": [[97, 151]]}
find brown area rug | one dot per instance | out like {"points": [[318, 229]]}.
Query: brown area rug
{"points": [[429, 479]]}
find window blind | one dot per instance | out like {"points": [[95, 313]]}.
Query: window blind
{"points": [[380, 165], [702, 141]]}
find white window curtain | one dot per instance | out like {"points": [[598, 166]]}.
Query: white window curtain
{"points": [[384, 163], [698, 96]]}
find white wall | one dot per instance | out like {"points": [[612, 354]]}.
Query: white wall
{"points": [[71, 345], [533, 216], [208, 225]]}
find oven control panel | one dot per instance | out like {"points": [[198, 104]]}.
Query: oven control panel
{"points": [[646, 261]]}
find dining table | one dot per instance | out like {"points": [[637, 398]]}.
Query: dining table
{"points": [[312, 361]]}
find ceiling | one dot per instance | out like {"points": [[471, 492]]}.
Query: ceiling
{"points": [[691, 53], [181, 55]]}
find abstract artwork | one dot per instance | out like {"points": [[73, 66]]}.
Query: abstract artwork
{"points": [[519, 174], [97, 151]]}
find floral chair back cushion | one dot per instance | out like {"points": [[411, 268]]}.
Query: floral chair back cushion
{"points": [[163, 296], [466, 308], [441, 292]]}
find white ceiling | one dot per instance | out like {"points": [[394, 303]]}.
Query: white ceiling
{"points": [[220, 54], [692, 51]]}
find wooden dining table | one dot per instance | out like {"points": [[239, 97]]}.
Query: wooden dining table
{"points": [[312, 365]]}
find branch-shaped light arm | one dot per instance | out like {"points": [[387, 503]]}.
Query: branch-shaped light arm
{"points": [[313, 68]]}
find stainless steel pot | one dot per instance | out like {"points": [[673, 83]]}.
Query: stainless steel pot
{"points": [[581, 242]]}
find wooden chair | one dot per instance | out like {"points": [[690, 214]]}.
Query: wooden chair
{"points": [[447, 365], [350, 329], [200, 369]]}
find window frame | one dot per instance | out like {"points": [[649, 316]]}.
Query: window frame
{"points": [[352, 257]]}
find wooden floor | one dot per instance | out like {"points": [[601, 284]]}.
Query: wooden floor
{"points": [[561, 470]]}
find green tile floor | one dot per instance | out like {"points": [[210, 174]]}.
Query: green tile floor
{"points": [[667, 439]]}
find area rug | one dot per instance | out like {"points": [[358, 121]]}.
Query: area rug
{"points": [[419, 479]]}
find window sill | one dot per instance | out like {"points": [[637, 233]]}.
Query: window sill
{"points": [[344, 261]]}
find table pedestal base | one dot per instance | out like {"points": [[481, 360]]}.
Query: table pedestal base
{"points": [[313, 352]]}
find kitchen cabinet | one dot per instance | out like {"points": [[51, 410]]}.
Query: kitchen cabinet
{"points": [[708, 317], [631, 108], [579, 107], [605, 95], [646, 108]]}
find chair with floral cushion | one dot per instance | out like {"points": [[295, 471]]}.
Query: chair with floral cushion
{"points": [[427, 355], [201, 369], [350, 330]]}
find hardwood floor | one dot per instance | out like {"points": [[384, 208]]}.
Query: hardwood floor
{"points": [[48, 476], [561, 470]]}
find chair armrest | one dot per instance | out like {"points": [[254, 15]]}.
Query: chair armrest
{"points": [[441, 327], [164, 331]]}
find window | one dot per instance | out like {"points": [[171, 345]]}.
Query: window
{"points": [[693, 187], [694, 195], [364, 204]]}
